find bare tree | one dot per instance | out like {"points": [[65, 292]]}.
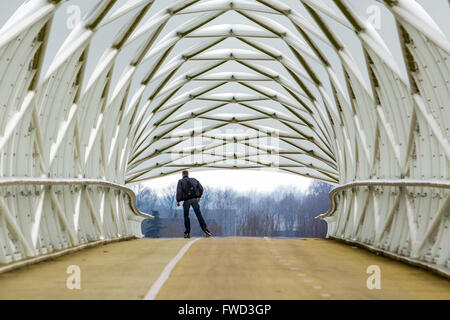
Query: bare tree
{"points": [[146, 199], [287, 211], [168, 199]]}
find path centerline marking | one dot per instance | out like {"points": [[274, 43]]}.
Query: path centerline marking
{"points": [[157, 285]]}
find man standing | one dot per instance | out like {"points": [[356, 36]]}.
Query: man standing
{"points": [[190, 191]]}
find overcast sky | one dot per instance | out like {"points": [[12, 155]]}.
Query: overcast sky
{"points": [[239, 179]]}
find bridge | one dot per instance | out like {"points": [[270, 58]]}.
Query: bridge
{"points": [[143, 89]]}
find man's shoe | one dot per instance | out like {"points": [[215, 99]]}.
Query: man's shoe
{"points": [[208, 233], [187, 235]]}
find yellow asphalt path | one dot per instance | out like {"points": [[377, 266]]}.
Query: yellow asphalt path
{"points": [[121, 270], [224, 268], [255, 268]]}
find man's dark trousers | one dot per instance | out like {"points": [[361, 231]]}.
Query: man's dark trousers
{"points": [[187, 222]]}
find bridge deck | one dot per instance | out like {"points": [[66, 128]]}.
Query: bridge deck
{"points": [[224, 268]]}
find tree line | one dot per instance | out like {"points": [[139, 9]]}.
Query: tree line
{"points": [[284, 212]]}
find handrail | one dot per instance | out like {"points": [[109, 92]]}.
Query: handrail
{"points": [[83, 182], [389, 183]]}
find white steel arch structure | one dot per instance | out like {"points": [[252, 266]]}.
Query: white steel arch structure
{"points": [[67, 152]]}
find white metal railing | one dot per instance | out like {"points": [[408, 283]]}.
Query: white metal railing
{"points": [[43, 215], [405, 217], [373, 183]]}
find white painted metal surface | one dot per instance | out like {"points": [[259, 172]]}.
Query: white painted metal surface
{"points": [[370, 139]]}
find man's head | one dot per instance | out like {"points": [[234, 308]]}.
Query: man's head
{"points": [[185, 173]]}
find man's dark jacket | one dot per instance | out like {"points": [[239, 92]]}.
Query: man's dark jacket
{"points": [[183, 186]]}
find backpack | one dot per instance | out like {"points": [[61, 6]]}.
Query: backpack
{"points": [[191, 189]]}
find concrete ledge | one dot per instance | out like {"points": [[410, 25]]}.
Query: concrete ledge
{"points": [[57, 254], [439, 270]]}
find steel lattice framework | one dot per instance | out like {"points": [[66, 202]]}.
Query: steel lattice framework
{"points": [[66, 153]]}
